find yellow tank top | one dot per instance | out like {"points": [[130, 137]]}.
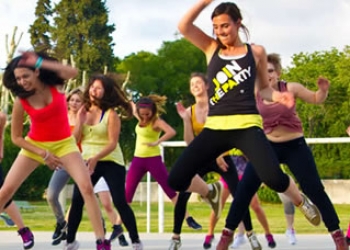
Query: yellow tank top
{"points": [[95, 138], [146, 135], [196, 126]]}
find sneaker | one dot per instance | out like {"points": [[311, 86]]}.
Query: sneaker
{"points": [[339, 240], [117, 231], [71, 246], [175, 244], [207, 242], [9, 222], [214, 198], [290, 233], [103, 245], [122, 241], [60, 233], [225, 240], [270, 241], [238, 240], [137, 245], [193, 224], [27, 237], [310, 211], [254, 242]]}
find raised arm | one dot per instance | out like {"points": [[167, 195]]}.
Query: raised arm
{"points": [[194, 34], [309, 96], [63, 71], [185, 114]]}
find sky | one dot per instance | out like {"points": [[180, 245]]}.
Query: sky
{"points": [[281, 26]]}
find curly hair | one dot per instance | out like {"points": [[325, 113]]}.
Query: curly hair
{"points": [[47, 77], [113, 98]]}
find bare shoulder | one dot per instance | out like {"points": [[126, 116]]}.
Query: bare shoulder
{"points": [[258, 50]]}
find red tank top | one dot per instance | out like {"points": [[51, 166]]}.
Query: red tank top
{"points": [[49, 123], [275, 114]]}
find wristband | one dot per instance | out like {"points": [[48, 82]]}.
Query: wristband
{"points": [[38, 62]]}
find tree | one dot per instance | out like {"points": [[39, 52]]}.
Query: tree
{"points": [[80, 29], [40, 29]]}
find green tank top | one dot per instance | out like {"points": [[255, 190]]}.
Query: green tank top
{"points": [[146, 135], [95, 138]]}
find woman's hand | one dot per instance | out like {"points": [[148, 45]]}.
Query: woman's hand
{"points": [[91, 164], [181, 110], [52, 161], [323, 84], [285, 98], [220, 161], [28, 59]]}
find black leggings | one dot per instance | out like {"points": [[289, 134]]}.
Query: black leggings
{"points": [[297, 155], [209, 144], [114, 176], [230, 177]]}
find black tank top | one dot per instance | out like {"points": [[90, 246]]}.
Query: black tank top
{"points": [[231, 88]]}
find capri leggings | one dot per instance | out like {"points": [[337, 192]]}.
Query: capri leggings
{"points": [[209, 144], [139, 167]]}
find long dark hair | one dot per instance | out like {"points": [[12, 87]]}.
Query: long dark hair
{"points": [[114, 97], [47, 77]]}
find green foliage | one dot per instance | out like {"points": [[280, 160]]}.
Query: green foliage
{"points": [[268, 195], [79, 29]]}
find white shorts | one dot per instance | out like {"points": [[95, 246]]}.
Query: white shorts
{"points": [[101, 186]]}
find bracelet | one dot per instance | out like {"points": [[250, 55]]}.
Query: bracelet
{"points": [[38, 62], [47, 154]]}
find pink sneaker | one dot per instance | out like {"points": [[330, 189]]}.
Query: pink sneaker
{"points": [[103, 245], [225, 240], [27, 237], [207, 241]]}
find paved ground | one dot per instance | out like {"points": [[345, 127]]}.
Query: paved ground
{"points": [[10, 241]]}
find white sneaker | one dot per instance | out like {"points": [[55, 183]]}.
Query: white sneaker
{"points": [[290, 233], [238, 240], [137, 246], [254, 242], [71, 246]]}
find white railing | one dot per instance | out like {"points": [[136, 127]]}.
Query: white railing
{"points": [[330, 140]]}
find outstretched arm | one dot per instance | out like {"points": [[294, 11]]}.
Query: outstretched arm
{"points": [[309, 96]]}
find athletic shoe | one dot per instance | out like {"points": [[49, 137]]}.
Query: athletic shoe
{"points": [[137, 245], [60, 233], [207, 241], [117, 231], [9, 222], [193, 224], [254, 242], [175, 244], [290, 233], [214, 198], [238, 240], [225, 240], [71, 246], [310, 211], [339, 240], [27, 237], [103, 245], [122, 241], [270, 241]]}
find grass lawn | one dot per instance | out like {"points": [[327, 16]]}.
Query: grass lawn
{"points": [[42, 218]]}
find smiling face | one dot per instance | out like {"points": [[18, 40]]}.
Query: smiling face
{"points": [[96, 90], [26, 78], [226, 30], [198, 86]]}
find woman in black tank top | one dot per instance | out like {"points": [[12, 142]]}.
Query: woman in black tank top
{"points": [[235, 69]]}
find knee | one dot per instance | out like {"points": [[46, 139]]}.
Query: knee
{"points": [[51, 196], [279, 184], [177, 184], [86, 189]]}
